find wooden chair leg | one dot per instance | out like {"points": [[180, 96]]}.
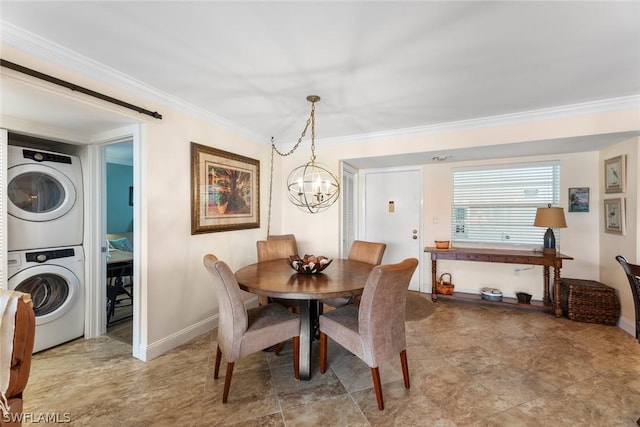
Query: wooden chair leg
{"points": [[227, 382], [296, 357], [218, 358], [375, 374], [276, 349], [405, 368], [323, 352]]}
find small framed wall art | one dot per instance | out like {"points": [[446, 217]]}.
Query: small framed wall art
{"points": [[579, 199], [614, 174], [614, 220], [225, 190]]}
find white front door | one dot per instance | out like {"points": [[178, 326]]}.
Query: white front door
{"points": [[392, 214]]}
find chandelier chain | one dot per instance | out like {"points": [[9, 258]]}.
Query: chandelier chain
{"points": [[311, 187], [310, 121]]}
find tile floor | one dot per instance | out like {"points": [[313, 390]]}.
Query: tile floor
{"points": [[470, 365]]}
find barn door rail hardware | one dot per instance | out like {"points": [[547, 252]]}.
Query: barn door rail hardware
{"points": [[76, 88]]}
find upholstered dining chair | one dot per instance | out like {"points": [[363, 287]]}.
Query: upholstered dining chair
{"points": [[369, 252], [285, 237], [374, 330], [277, 247], [633, 275], [242, 332]]}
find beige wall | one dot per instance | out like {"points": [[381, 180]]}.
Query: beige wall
{"points": [[177, 291], [612, 245], [583, 239], [180, 298]]}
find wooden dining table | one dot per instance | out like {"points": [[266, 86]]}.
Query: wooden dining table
{"points": [[278, 279]]}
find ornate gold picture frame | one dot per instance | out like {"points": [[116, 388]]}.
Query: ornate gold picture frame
{"points": [[225, 190]]}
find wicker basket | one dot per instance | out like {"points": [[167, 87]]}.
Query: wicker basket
{"points": [[443, 287], [589, 301]]}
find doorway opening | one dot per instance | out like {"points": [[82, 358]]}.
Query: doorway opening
{"points": [[119, 240]]}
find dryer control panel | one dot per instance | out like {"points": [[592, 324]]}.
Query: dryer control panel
{"points": [[40, 156], [43, 256]]}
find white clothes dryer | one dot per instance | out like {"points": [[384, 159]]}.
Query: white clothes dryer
{"points": [[45, 202], [55, 279]]}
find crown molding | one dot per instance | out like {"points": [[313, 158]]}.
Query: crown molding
{"points": [[600, 106], [52, 52], [55, 53]]}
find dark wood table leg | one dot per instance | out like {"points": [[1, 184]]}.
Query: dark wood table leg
{"points": [[556, 291], [434, 296], [306, 337], [545, 283]]}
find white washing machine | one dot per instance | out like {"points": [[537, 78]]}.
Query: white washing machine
{"points": [[55, 279], [44, 199]]}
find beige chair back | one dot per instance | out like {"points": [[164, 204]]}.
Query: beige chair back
{"points": [[382, 311], [232, 317], [284, 237], [276, 249], [369, 252]]}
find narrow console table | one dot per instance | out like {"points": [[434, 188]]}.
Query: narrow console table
{"points": [[505, 256]]}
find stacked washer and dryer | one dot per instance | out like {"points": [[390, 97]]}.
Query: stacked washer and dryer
{"points": [[45, 229]]}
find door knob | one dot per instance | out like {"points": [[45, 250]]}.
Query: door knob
{"points": [[414, 237]]}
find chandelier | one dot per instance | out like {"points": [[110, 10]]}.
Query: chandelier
{"points": [[311, 187]]}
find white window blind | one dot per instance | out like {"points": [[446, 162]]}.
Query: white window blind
{"points": [[498, 204]]}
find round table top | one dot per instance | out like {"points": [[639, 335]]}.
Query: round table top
{"points": [[277, 279]]}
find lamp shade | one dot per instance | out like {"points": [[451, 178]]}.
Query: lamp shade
{"points": [[550, 217]]}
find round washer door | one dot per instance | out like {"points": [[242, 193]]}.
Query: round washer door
{"points": [[39, 193], [54, 290]]}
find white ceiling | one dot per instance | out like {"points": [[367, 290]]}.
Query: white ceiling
{"points": [[379, 67]]}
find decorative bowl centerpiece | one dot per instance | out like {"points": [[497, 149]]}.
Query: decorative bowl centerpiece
{"points": [[309, 264]]}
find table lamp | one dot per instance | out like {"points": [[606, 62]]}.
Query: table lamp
{"points": [[550, 217]]}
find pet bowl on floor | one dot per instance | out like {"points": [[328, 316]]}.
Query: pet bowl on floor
{"points": [[491, 294]]}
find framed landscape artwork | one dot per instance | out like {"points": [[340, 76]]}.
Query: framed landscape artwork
{"points": [[614, 174], [614, 220], [225, 190], [579, 199]]}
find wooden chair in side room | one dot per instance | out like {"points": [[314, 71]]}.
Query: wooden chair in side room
{"points": [[119, 293], [633, 275], [369, 252], [374, 331], [242, 332]]}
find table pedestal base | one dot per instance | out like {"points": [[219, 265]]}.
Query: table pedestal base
{"points": [[308, 326]]}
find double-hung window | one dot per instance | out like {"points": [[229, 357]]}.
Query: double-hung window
{"points": [[497, 204]]}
